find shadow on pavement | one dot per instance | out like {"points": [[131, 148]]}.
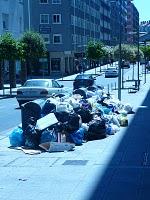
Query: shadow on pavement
{"points": [[127, 175]]}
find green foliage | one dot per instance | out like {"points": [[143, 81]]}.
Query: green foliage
{"points": [[125, 51], [128, 52], [8, 47], [94, 50], [32, 45], [146, 51], [108, 52]]}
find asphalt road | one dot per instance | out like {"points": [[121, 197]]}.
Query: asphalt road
{"points": [[10, 114]]}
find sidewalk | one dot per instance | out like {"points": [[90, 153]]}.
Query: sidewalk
{"points": [[7, 92], [117, 167]]}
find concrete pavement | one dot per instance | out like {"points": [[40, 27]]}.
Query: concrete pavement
{"points": [[117, 167]]}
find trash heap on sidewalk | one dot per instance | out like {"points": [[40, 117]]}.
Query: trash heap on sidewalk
{"points": [[67, 121]]}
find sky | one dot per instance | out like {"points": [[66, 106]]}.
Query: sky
{"points": [[143, 6]]}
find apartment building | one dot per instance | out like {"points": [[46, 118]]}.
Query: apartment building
{"points": [[118, 23], [11, 17], [132, 23], [145, 26], [67, 26], [11, 20]]}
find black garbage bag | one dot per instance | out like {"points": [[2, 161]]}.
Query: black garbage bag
{"points": [[48, 108], [92, 88], [85, 114], [31, 135], [81, 92], [62, 116], [97, 130], [73, 122]]}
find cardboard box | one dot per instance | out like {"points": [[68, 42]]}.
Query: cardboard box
{"points": [[57, 146]]}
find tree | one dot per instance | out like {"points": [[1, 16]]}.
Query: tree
{"points": [[94, 51], [146, 52], [129, 53], [125, 51], [8, 51], [108, 54], [33, 48]]}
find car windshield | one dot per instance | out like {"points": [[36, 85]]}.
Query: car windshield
{"points": [[112, 68], [36, 83], [83, 76]]}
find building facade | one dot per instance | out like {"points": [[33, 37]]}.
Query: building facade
{"points": [[118, 21], [145, 26], [67, 26], [11, 17], [11, 20], [132, 23]]}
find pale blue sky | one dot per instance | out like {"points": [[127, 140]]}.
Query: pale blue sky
{"points": [[143, 7]]}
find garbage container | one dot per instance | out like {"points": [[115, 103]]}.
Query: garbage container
{"points": [[31, 109]]}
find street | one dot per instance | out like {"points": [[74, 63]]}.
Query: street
{"points": [[10, 113]]}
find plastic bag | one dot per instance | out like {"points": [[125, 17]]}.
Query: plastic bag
{"points": [[77, 136], [111, 129], [73, 122], [97, 130], [48, 136], [123, 120], [32, 137], [128, 108], [16, 137], [48, 108]]}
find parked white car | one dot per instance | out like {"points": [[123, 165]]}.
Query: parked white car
{"points": [[111, 72], [39, 88]]}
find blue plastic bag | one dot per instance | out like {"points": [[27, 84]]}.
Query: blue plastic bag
{"points": [[78, 136], [48, 136], [16, 137]]}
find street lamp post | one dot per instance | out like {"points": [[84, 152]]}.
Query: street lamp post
{"points": [[120, 48], [120, 51], [138, 73], [145, 63], [29, 16]]}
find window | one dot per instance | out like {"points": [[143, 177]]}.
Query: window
{"points": [[56, 18], [56, 1], [44, 1], [5, 21], [55, 64], [46, 38], [55, 84], [20, 25], [57, 38], [44, 18]]}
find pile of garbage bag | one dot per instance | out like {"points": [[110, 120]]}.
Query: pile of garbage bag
{"points": [[67, 121]]}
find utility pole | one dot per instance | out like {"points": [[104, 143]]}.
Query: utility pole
{"points": [[120, 50], [29, 16], [138, 58], [119, 5], [145, 64]]}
